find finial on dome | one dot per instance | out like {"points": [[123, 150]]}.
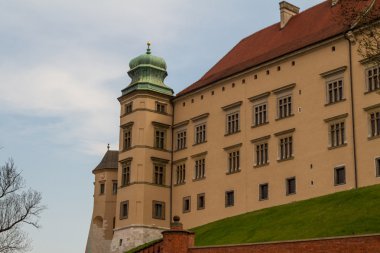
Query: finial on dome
{"points": [[148, 49]]}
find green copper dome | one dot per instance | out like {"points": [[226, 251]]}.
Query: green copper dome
{"points": [[148, 72]]}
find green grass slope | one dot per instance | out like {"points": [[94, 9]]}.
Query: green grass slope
{"points": [[345, 213]]}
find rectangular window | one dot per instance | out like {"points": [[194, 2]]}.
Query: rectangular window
{"points": [[114, 188], [186, 204], [102, 188], [159, 174], [374, 122], [200, 167], [373, 82], [233, 125], [284, 107], [260, 114], [158, 210], [181, 139], [290, 186], [124, 206], [263, 191], [201, 201], [128, 108], [261, 153], [230, 199], [234, 161], [181, 174], [125, 174], [160, 107], [334, 91], [286, 148], [340, 175], [377, 166], [200, 133], [127, 135], [159, 138], [337, 134]]}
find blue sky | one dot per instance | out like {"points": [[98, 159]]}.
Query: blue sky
{"points": [[62, 66]]}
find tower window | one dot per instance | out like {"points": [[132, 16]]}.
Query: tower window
{"points": [[159, 174], [128, 108], [102, 188], [124, 206], [158, 210], [127, 134], [159, 136], [160, 107], [125, 174], [114, 188]]}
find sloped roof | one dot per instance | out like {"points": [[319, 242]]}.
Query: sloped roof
{"points": [[109, 161], [306, 28]]}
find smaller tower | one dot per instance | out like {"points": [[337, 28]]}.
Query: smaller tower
{"points": [[143, 201], [105, 191]]}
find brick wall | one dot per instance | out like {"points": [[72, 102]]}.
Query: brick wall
{"points": [[357, 244]]}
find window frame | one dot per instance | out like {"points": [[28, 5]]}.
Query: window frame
{"points": [[181, 141], [161, 107], [233, 122], [289, 190], [127, 137], [199, 196], [337, 93], [159, 176], [377, 166], [128, 108], [263, 195], [180, 173], [263, 113], [186, 204], [367, 80], [229, 202], [160, 139], [337, 176], [102, 188], [114, 189], [199, 168], [155, 215], [122, 215], [125, 175], [200, 133]]}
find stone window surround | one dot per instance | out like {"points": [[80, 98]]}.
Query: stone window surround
{"points": [[259, 100], [372, 109], [122, 204], [199, 195], [258, 141], [336, 176], [284, 134], [331, 76], [335, 120], [154, 214], [184, 203], [282, 93]]}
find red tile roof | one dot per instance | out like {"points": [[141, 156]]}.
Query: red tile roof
{"points": [[308, 27]]}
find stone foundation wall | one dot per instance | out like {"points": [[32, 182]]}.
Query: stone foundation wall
{"points": [[96, 242], [133, 236]]}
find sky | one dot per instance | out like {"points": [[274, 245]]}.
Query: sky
{"points": [[63, 64]]}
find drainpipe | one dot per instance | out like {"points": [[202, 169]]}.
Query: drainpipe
{"points": [[171, 167], [349, 36]]}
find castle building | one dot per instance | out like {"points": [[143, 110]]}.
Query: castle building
{"points": [[291, 112]]}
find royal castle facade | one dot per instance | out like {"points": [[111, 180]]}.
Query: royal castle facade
{"points": [[291, 112]]}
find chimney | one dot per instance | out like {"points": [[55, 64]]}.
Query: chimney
{"points": [[287, 11]]}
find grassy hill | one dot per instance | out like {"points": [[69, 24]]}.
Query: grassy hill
{"points": [[345, 213]]}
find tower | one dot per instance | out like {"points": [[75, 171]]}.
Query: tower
{"points": [[103, 217], [143, 199]]}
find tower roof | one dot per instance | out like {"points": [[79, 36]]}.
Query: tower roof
{"points": [[148, 73], [109, 161]]}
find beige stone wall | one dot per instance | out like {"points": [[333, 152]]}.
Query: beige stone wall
{"points": [[141, 192], [313, 164]]}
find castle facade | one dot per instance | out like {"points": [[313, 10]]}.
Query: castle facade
{"points": [[291, 112]]}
